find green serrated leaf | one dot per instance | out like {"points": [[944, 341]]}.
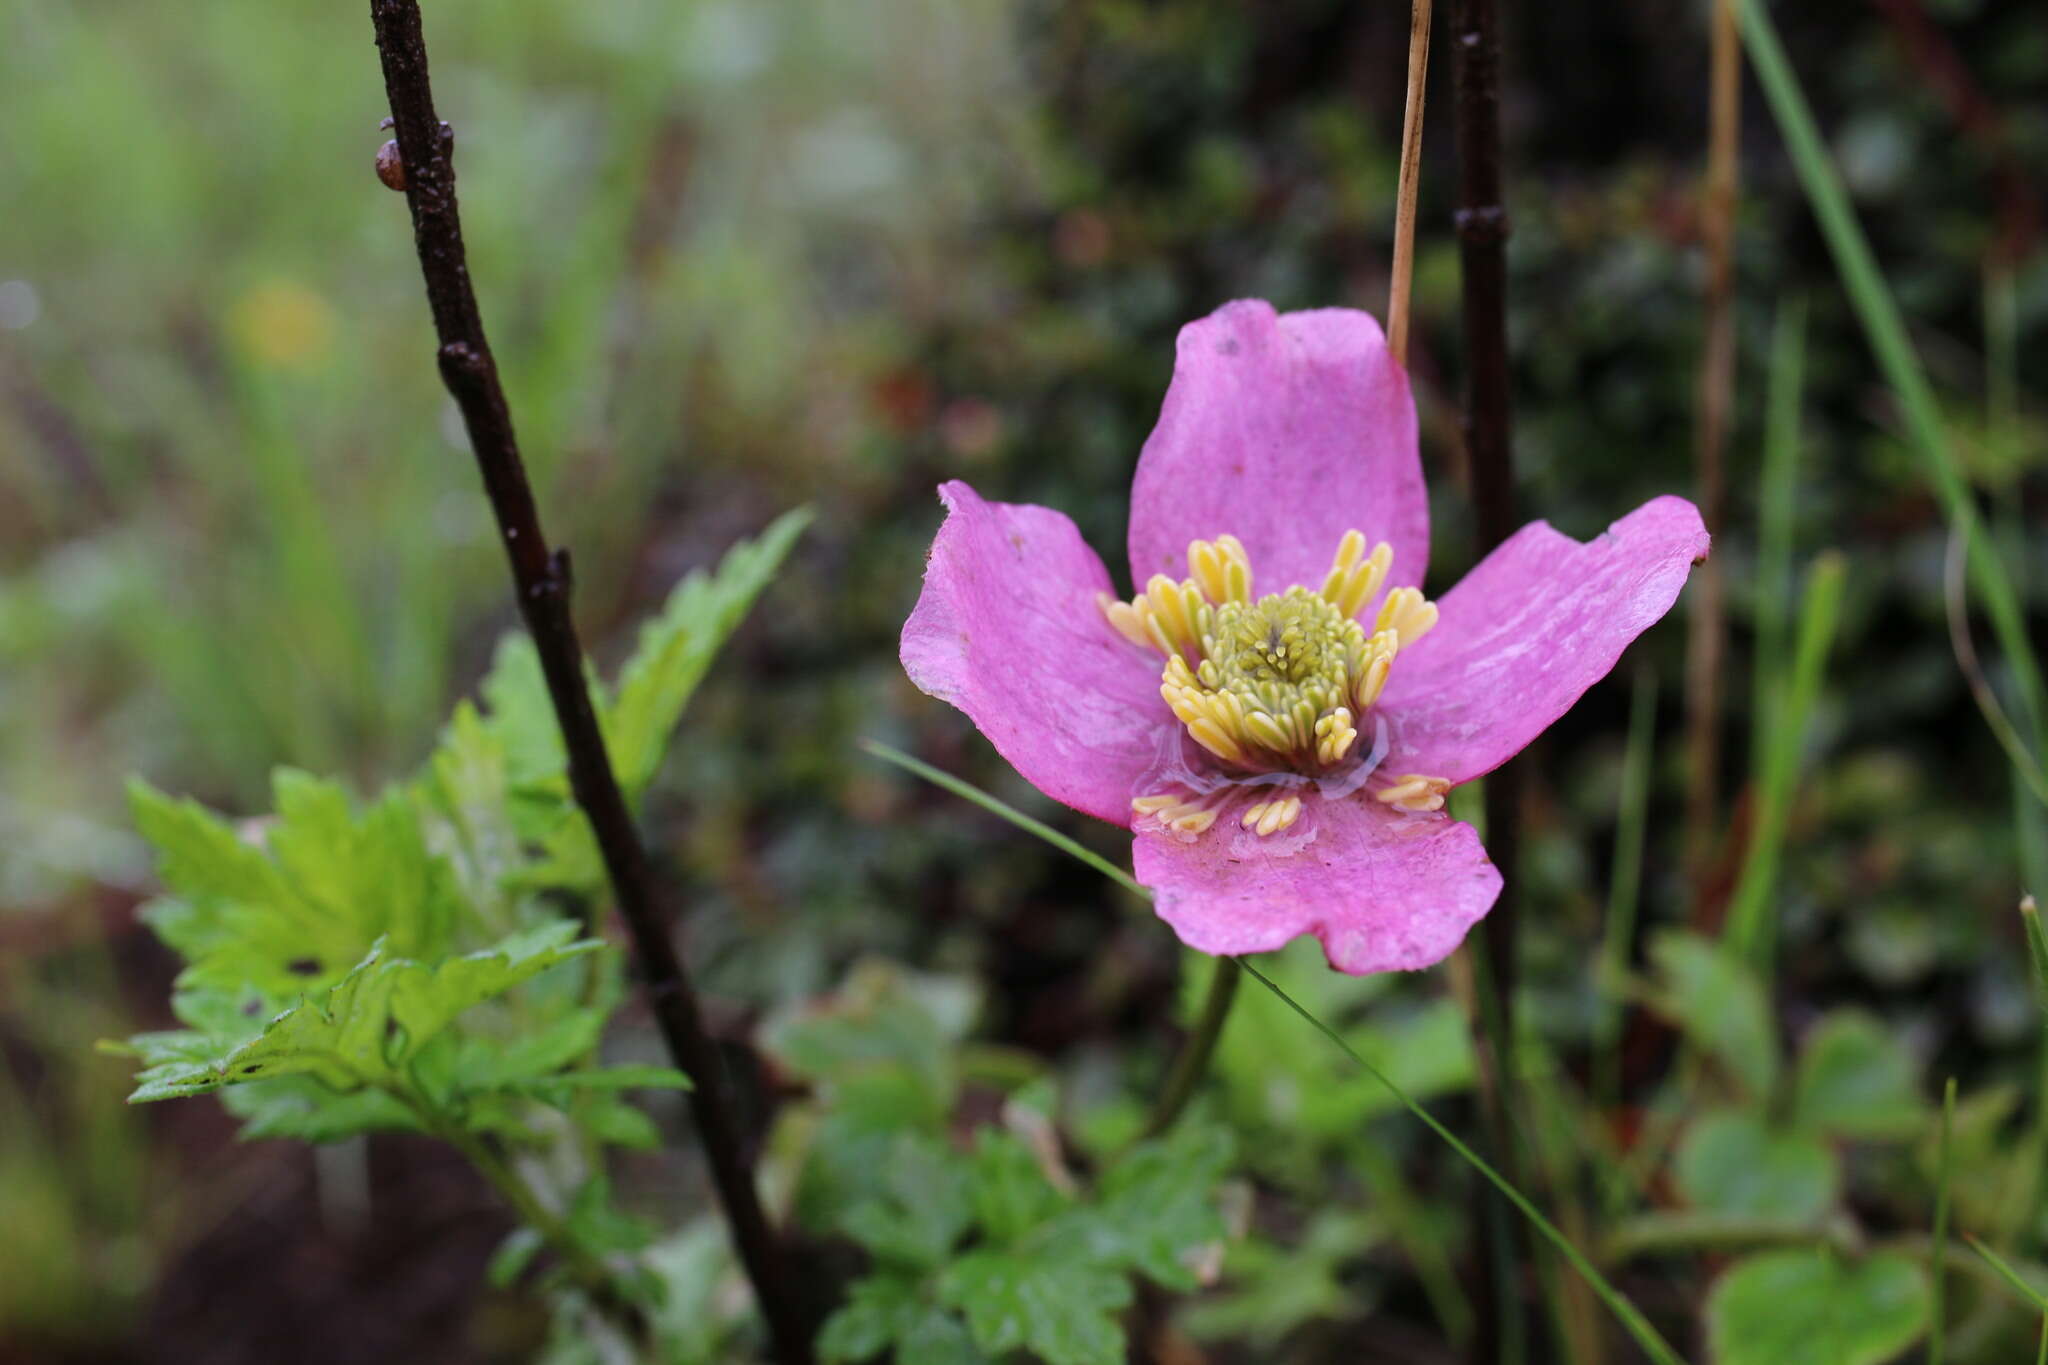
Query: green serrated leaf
{"points": [[879, 1311], [939, 1338], [1010, 1190], [1719, 1003], [370, 1023], [425, 999], [1732, 1162], [1062, 1311], [1856, 1080], [512, 1257], [602, 1227], [1812, 1307], [1158, 1204], [920, 1207], [466, 794], [261, 924], [676, 648], [301, 1108], [611, 1120], [521, 714], [628, 1077]]}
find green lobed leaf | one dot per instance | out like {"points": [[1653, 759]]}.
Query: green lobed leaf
{"points": [[1809, 1306], [879, 1311], [512, 1257], [1157, 1206], [921, 1205], [676, 648], [1010, 1191], [1060, 1310], [1720, 1004], [1856, 1079], [1275, 1289], [368, 1025], [303, 1109], [939, 1338], [263, 922], [1732, 1162]]}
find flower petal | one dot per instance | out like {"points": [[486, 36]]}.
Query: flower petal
{"points": [[1285, 430], [1384, 890], [1008, 630], [1523, 636]]}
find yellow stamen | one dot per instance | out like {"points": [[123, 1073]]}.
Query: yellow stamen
{"points": [[1270, 817], [1414, 792], [1408, 614], [1189, 816], [1280, 681], [1351, 583]]}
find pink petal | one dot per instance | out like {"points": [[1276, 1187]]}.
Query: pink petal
{"points": [[1539, 621], [1384, 890], [1286, 431], [1008, 630]]}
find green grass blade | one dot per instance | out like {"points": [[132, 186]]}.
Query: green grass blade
{"points": [[1777, 498], [1749, 921], [1937, 1261], [2008, 1274], [969, 792], [1886, 332], [1637, 1326], [1624, 883]]}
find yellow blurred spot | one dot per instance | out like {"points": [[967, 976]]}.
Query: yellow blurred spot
{"points": [[283, 325]]}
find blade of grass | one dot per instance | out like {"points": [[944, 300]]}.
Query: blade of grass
{"points": [[1957, 608], [1777, 498], [2037, 945], [1885, 330], [1630, 1317], [1937, 1260], [1749, 928], [967, 791], [1624, 885], [2030, 1193], [2007, 1273], [1633, 1322]]}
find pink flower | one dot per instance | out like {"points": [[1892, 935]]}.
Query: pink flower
{"points": [[1279, 712]]}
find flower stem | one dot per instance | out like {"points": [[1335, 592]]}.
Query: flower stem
{"points": [[542, 579], [1199, 1047]]}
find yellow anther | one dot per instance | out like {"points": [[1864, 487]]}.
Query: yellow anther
{"points": [[1221, 569], [1353, 580], [1334, 736], [1414, 792], [1270, 817], [1408, 614], [1126, 618], [1187, 815], [1348, 550]]}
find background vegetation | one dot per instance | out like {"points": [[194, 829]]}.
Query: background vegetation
{"points": [[738, 256]]}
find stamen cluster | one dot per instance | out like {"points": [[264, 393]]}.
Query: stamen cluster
{"points": [[1279, 682]]}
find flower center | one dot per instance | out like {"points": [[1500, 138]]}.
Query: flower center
{"points": [[1276, 683]]}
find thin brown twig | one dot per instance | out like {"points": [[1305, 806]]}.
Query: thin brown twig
{"points": [[1482, 223], [542, 581], [1409, 185], [1707, 635]]}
